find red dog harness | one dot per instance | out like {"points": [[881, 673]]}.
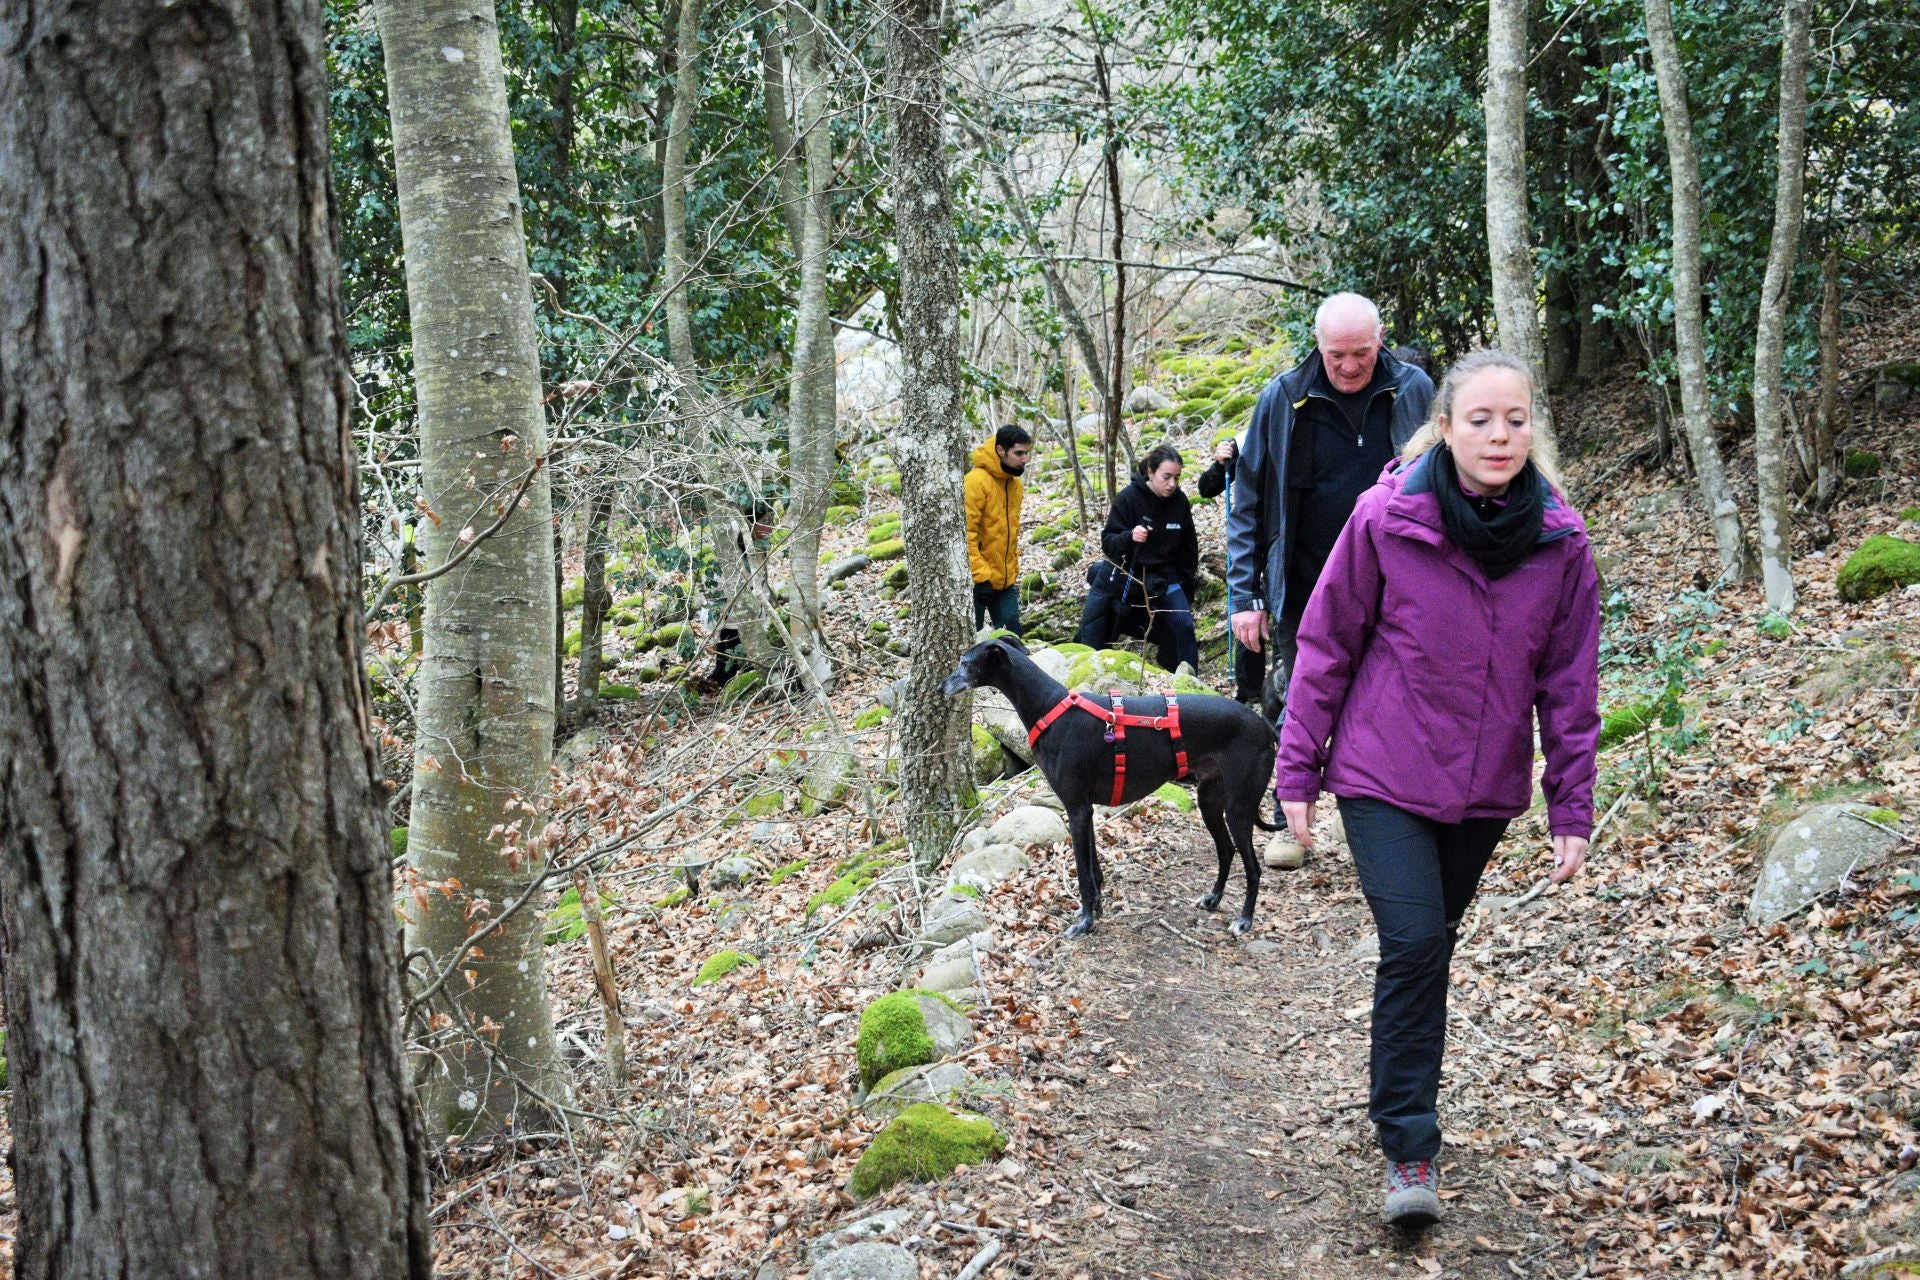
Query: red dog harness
{"points": [[1117, 721]]}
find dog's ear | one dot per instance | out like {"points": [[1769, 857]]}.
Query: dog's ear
{"points": [[1014, 643]]}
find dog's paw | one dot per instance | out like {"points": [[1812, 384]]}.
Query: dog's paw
{"points": [[1081, 926], [1242, 925], [1208, 903]]}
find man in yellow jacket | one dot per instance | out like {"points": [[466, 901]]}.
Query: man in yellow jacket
{"points": [[993, 492]]}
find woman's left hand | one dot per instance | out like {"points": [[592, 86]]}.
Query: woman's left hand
{"points": [[1569, 855]]}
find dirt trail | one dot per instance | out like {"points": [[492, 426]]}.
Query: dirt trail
{"points": [[1217, 1097]]}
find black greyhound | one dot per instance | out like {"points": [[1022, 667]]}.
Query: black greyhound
{"points": [[1229, 751]]}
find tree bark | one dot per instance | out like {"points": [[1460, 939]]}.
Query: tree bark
{"points": [[927, 446], [1515, 303], [595, 601], [676, 259], [1776, 558], [1689, 328], [1117, 348], [1828, 414], [812, 416], [201, 967], [486, 681]]}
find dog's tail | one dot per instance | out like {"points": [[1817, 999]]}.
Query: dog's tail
{"points": [[1264, 825]]}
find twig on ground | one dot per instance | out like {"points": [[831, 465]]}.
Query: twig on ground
{"points": [[981, 1261]]}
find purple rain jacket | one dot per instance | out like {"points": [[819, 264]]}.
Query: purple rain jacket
{"points": [[1426, 676]]}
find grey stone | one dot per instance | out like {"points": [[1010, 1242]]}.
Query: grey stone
{"points": [[1090, 422], [934, 1082], [867, 1262], [949, 976], [1368, 949], [947, 1028], [989, 757], [578, 749], [987, 866], [1261, 947], [1053, 662], [974, 839], [847, 566], [1148, 400], [963, 948], [1656, 503], [1811, 855], [1028, 826], [1496, 905], [955, 926], [888, 1224], [731, 871], [1641, 527], [997, 716]]}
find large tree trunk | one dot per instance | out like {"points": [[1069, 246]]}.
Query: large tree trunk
{"points": [[1117, 347], [927, 446], [1696, 404], [1776, 567], [1515, 306], [595, 600], [201, 967], [486, 681]]}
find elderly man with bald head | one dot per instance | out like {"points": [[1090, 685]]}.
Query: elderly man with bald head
{"points": [[1320, 435]]}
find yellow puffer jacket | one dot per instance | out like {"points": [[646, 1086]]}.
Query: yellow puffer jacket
{"points": [[993, 520]]}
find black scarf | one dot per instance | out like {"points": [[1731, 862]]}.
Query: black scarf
{"points": [[1501, 539]]}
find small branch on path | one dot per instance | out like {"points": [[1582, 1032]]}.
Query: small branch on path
{"points": [[1184, 937], [981, 1261]]}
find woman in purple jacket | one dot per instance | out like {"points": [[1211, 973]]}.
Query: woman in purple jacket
{"points": [[1459, 603]]}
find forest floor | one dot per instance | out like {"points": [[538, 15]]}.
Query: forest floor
{"points": [[1638, 1082]]}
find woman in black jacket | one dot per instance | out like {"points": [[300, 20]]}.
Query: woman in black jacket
{"points": [[1152, 564]]}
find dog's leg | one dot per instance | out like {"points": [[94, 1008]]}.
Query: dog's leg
{"points": [[1240, 823], [1086, 868], [1211, 796]]}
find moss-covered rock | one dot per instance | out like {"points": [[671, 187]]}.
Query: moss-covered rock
{"points": [[843, 513], [1237, 406], [1106, 668], [884, 530], [989, 758], [906, 1029], [925, 1142], [828, 782], [1881, 564], [574, 595], [786, 872], [1044, 534], [1861, 465], [572, 643], [845, 889], [764, 804], [871, 717], [673, 899], [719, 966], [1034, 584], [871, 856], [1174, 796], [896, 577], [743, 685], [891, 549], [618, 693]]}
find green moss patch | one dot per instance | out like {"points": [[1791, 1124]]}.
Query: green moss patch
{"points": [[871, 717], [891, 549], [1622, 723], [673, 899], [1881, 564], [842, 513], [719, 966], [618, 693], [893, 1034], [792, 869], [1860, 464], [742, 685], [566, 922], [397, 842], [1175, 795], [924, 1143]]}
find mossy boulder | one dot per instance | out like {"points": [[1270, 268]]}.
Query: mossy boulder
{"points": [[847, 887], [1881, 564], [925, 1142], [719, 966], [763, 805], [1034, 584], [572, 643], [1107, 669], [1237, 406], [743, 685], [1174, 796], [936, 1082], [673, 899], [871, 717], [891, 549], [907, 1029], [574, 595], [1044, 534], [842, 513], [827, 783], [884, 531], [989, 757], [618, 693], [896, 577]]}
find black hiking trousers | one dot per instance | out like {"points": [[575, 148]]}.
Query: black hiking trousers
{"points": [[1419, 877]]}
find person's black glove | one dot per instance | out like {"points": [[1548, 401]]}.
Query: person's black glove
{"points": [[983, 593]]}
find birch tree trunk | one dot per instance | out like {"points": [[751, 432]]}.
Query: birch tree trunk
{"points": [[201, 967], [486, 680], [1509, 244], [927, 446], [1689, 328], [1776, 527]]}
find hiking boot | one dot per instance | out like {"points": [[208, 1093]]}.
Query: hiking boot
{"points": [[1413, 1194], [1284, 853]]}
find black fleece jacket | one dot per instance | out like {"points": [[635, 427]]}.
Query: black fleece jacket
{"points": [[1171, 552]]}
